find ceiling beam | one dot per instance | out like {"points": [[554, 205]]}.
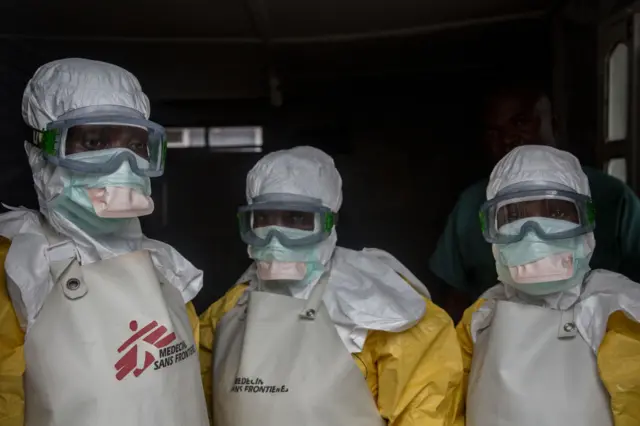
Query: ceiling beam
{"points": [[273, 41]]}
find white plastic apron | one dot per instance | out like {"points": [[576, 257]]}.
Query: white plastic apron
{"points": [[279, 360], [531, 368], [112, 345]]}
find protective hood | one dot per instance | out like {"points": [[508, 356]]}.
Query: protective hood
{"points": [[305, 171], [537, 164], [542, 166], [56, 89], [60, 88], [65, 85]]}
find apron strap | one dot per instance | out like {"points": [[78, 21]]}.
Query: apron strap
{"points": [[60, 248], [310, 309], [567, 328], [64, 265]]}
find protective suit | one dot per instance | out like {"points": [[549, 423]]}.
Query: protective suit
{"points": [[316, 334], [94, 326], [554, 343]]}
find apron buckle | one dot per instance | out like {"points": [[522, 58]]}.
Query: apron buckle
{"points": [[74, 288], [71, 282], [309, 314], [568, 328]]}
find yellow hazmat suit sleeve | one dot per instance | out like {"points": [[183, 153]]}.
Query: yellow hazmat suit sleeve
{"points": [[414, 376], [418, 371], [619, 365], [208, 323], [463, 331], [11, 354]]}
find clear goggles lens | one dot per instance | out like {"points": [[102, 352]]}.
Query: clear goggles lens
{"points": [[549, 208], [292, 227], [507, 219], [305, 221], [100, 146]]}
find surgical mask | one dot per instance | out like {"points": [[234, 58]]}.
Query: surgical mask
{"points": [[538, 267], [277, 262], [100, 204]]}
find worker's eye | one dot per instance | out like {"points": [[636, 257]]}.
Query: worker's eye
{"points": [[93, 142]]}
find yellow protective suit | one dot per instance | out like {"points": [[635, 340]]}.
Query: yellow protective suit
{"points": [[618, 363], [414, 375], [12, 365]]}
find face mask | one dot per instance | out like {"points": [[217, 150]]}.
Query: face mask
{"points": [[99, 204], [277, 262], [539, 267], [119, 202], [75, 206], [285, 271]]}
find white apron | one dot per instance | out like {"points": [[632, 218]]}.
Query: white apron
{"points": [[279, 360], [532, 368], [112, 345]]}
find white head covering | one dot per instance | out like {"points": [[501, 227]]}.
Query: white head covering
{"points": [[65, 85], [58, 89], [602, 292], [544, 165], [538, 164], [61, 88], [304, 171]]}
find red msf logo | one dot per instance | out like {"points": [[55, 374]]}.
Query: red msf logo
{"points": [[129, 361]]}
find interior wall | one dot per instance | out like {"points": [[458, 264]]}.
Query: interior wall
{"points": [[575, 48], [16, 66]]}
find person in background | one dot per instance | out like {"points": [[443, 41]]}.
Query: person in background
{"points": [[93, 324], [514, 116], [555, 342], [316, 334]]}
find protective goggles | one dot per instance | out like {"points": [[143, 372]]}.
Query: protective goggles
{"points": [[503, 220], [296, 221], [100, 144]]}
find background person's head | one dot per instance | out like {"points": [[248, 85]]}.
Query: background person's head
{"points": [[514, 115]]}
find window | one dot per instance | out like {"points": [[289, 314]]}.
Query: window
{"points": [[617, 167], [245, 139], [617, 93], [185, 137], [228, 139]]}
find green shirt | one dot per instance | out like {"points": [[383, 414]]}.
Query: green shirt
{"points": [[463, 259]]}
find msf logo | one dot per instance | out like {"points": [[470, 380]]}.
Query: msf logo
{"points": [[155, 336]]}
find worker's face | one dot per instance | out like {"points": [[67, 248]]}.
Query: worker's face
{"points": [[511, 120], [286, 218], [547, 208], [100, 137]]}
